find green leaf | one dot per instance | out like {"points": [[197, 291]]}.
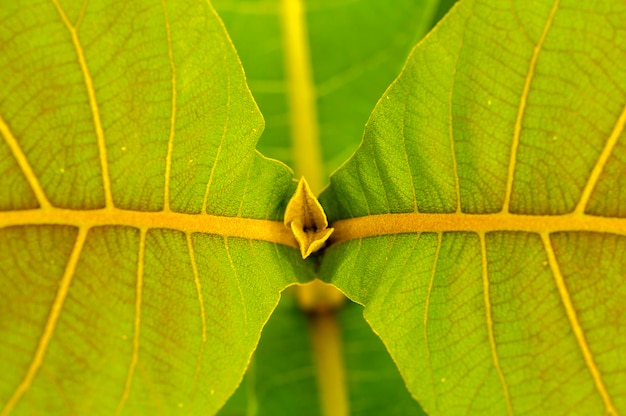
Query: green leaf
{"points": [[481, 222], [354, 48], [133, 209], [282, 378], [349, 52]]}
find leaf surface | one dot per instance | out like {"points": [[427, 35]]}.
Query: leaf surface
{"points": [[134, 274], [316, 84], [355, 50], [282, 378], [481, 222]]}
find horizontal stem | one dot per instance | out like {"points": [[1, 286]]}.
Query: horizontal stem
{"points": [[385, 224], [248, 228]]}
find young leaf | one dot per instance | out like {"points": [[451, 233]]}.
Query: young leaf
{"points": [[306, 219], [134, 274], [481, 222]]}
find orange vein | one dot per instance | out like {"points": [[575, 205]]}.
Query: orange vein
{"points": [[425, 323], [138, 303], [522, 107], [53, 318], [385, 224], [601, 163], [572, 316], [301, 94], [248, 228], [93, 103], [24, 165], [170, 141], [489, 318]]}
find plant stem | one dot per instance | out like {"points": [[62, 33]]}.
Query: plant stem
{"points": [[328, 359], [301, 95], [319, 299]]}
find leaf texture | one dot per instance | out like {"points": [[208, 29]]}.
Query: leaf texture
{"points": [[354, 51], [133, 209], [281, 379], [481, 222], [355, 48]]}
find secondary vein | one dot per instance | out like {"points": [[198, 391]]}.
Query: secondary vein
{"points": [[522, 107], [93, 104], [598, 168], [489, 318], [170, 141], [572, 316], [51, 323], [138, 304], [24, 165]]}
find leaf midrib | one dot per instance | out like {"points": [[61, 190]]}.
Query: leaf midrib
{"points": [[389, 224], [248, 228]]}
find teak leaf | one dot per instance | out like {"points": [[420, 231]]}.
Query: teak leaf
{"points": [[144, 242], [306, 219], [356, 48], [142, 247], [482, 221]]}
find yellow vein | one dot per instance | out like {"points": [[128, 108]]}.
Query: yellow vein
{"points": [[601, 163], [247, 228], [93, 103], [205, 201], [196, 277], [232, 266], [572, 316], [81, 15], [522, 107], [455, 166], [138, 303], [386, 224], [406, 160], [24, 165], [489, 318], [170, 141], [53, 318], [425, 323], [301, 94]]}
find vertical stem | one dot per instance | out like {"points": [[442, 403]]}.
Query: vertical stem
{"points": [[313, 297], [301, 95], [326, 340]]}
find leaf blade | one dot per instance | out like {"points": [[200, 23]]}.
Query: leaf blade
{"points": [[142, 327], [495, 150]]}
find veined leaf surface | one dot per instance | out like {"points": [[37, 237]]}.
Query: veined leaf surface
{"points": [[134, 274], [354, 49], [316, 69], [282, 377], [482, 220]]}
